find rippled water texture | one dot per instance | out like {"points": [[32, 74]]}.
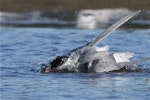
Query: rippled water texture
{"points": [[23, 49]]}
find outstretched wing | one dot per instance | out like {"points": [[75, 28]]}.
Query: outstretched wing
{"points": [[112, 28], [105, 33]]}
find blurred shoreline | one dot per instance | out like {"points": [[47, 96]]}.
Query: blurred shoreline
{"points": [[84, 19], [71, 13], [69, 5]]}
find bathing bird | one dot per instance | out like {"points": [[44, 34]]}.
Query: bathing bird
{"points": [[90, 57]]}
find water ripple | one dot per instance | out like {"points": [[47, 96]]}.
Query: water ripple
{"points": [[22, 50]]}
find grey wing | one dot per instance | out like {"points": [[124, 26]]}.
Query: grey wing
{"points": [[105, 33], [112, 28]]}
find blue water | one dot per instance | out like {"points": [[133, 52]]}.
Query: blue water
{"points": [[22, 50]]}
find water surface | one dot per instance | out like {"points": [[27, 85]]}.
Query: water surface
{"points": [[22, 50]]}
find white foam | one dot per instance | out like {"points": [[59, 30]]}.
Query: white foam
{"points": [[89, 19], [35, 17]]}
